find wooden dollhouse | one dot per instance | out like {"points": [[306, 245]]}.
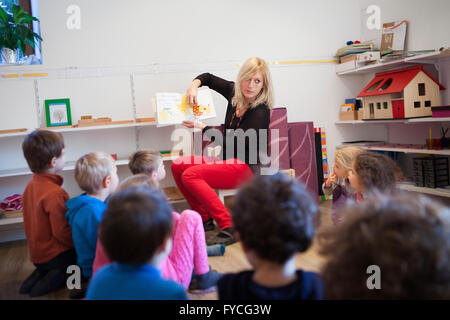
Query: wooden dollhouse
{"points": [[402, 93]]}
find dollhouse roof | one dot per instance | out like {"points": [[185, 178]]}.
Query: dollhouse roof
{"points": [[398, 79]]}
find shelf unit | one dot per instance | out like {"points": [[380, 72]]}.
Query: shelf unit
{"points": [[434, 58]]}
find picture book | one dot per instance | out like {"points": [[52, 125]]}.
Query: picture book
{"points": [[173, 108]]}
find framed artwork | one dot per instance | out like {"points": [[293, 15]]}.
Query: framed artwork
{"points": [[57, 112]]}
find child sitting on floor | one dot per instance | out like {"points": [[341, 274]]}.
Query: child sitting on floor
{"points": [[96, 174], [188, 256], [136, 233], [338, 184], [389, 248], [373, 172], [273, 218], [49, 236]]}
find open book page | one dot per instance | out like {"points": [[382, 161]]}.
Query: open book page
{"points": [[173, 108]]}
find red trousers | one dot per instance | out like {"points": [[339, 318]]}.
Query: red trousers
{"points": [[198, 176]]}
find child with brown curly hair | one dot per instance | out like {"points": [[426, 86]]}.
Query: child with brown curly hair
{"points": [[373, 172], [407, 239]]}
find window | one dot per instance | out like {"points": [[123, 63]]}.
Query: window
{"points": [[421, 89], [372, 87], [416, 104], [427, 103], [378, 105], [385, 105], [31, 7], [386, 85]]}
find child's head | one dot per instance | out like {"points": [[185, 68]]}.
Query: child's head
{"points": [[138, 180], [343, 159], [95, 172], [44, 151], [136, 226], [408, 238], [147, 162], [273, 216], [373, 171]]}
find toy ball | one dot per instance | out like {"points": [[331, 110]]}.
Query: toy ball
{"points": [[349, 43], [357, 41]]}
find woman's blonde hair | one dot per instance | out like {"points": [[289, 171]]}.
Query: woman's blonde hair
{"points": [[250, 67], [345, 156]]}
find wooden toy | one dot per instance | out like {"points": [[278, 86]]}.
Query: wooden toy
{"points": [[402, 93], [140, 120], [13, 130]]}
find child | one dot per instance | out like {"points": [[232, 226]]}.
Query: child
{"points": [[337, 184], [136, 233], [373, 172], [273, 218], [49, 237], [189, 249], [406, 242], [96, 174]]}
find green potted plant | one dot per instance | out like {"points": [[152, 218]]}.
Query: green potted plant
{"points": [[15, 33]]}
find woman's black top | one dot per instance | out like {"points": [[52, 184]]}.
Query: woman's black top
{"points": [[254, 118]]}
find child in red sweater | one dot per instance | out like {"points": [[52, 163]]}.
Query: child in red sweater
{"points": [[49, 236]]}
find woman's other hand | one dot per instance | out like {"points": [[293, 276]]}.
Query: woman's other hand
{"points": [[194, 124]]}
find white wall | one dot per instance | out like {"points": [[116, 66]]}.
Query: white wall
{"points": [[190, 37]]}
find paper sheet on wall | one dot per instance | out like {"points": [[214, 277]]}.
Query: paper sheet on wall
{"points": [[173, 108]]}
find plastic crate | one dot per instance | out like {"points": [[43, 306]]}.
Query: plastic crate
{"points": [[431, 172]]}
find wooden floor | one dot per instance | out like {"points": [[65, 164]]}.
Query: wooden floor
{"points": [[15, 266]]}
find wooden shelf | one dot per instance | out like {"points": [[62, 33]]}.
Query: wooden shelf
{"points": [[441, 192], [12, 218], [70, 165], [406, 150], [405, 121]]}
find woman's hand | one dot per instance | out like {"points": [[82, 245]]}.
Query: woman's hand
{"points": [[194, 124], [191, 92]]}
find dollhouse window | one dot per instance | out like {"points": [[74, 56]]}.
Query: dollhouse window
{"points": [[386, 85], [416, 104], [385, 105], [421, 89], [427, 103], [372, 87], [378, 105]]}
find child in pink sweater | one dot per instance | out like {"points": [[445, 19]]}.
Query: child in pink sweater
{"points": [[188, 253]]}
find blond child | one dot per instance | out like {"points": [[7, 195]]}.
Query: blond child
{"points": [[189, 254], [338, 184], [49, 236], [96, 174]]}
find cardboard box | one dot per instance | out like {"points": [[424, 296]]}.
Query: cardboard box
{"points": [[349, 65], [348, 115], [368, 56], [359, 114]]}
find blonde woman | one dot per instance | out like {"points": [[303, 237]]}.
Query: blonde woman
{"points": [[249, 102]]}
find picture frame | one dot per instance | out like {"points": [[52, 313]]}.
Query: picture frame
{"points": [[57, 112]]}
